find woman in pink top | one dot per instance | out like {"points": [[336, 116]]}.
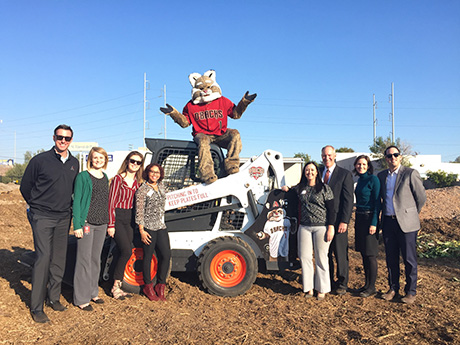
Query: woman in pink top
{"points": [[121, 216]]}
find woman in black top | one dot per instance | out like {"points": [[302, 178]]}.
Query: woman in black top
{"points": [[316, 230]]}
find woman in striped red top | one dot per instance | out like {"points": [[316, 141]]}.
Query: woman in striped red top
{"points": [[121, 216]]}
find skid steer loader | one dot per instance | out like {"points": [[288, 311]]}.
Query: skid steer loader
{"points": [[218, 230]]}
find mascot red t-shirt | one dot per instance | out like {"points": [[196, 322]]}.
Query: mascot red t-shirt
{"points": [[209, 118]]}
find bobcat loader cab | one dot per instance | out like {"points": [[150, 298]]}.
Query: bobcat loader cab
{"points": [[215, 229]]}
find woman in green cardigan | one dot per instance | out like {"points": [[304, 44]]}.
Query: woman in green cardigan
{"points": [[90, 219]]}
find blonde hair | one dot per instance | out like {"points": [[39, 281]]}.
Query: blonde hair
{"points": [[89, 163], [124, 165]]}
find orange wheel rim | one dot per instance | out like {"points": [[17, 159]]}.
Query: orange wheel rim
{"points": [[228, 268], [133, 270]]}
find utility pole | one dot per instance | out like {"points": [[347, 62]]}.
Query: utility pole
{"points": [[392, 99], [146, 87], [164, 94], [374, 106]]}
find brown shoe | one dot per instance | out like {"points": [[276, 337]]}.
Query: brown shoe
{"points": [[408, 299], [389, 295]]}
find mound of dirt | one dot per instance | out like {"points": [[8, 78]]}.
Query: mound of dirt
{"points": [[273, 311], [8, 187]]}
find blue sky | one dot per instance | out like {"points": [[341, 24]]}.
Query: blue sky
{"points": [[314, 65]]}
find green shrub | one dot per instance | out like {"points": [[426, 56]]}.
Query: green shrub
{"points": [[441, 178], [430, 247]]}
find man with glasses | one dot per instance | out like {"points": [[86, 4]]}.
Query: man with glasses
{"points": [[47, 187], [403, 197]]}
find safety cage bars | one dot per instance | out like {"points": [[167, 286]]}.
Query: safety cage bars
{"points": [[181, 167]]}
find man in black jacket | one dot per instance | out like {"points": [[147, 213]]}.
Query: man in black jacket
{"points": [[341, 182], [47, 187]]}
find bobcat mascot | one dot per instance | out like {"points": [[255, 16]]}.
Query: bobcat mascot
{"points": [[207, 112]]}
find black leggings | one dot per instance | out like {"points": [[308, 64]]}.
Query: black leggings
{"points": [[160, 245], [124, 234], [370, 271]]}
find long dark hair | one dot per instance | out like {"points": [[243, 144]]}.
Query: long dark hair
{"points": [[303, 179]]}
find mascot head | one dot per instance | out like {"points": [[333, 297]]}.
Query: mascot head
{"points": [[205, 89], [275, 211], [275, 215]]}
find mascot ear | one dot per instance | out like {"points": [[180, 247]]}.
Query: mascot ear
{"points": [[193, 77], [210, 74]]}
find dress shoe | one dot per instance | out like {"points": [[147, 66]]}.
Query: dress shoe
{"points": [[56, 306], [86, 307], [408, 299], [340, 291], [389, 295], [98, 300], [39, 316], [367, 293]]}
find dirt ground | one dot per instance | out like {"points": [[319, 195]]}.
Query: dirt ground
{"points": [[273, 311]]}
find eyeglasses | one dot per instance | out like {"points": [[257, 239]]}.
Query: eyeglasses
{"points": [[395, 155], [60, 137], [133, 161], [155, 172]]}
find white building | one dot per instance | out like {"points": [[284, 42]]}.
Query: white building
{"points": [[422, 163]]}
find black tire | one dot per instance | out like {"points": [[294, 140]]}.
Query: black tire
{"points": [[227, 266], [133, 278]]}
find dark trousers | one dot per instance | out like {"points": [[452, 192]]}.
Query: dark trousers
{"points": [[50, 243], [396, 241], [124, 235], [160, 245], [339, 249]]}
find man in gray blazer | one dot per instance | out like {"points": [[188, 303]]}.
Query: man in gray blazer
{"points": [[403, 197]]}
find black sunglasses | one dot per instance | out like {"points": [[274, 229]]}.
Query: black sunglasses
{"points": [[60, 137], [133, 161], [395, 155]]}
